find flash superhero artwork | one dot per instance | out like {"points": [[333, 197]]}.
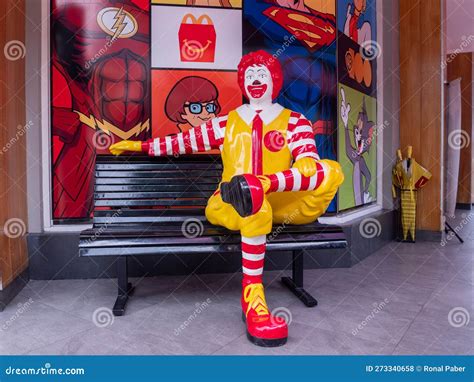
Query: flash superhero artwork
{"points": [[100, 91]]}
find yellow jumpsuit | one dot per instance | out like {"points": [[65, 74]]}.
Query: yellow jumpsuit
{"points": [[301, 207]]}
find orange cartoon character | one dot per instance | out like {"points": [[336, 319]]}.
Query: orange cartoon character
{"points": [[271, 170], [210, 3], [191, 102]]}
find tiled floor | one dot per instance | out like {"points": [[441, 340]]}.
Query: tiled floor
{"points": [[405, 299]]}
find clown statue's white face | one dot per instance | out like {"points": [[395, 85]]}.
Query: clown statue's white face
{"points": [[258, 86]]}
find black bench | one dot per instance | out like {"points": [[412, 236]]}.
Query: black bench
{"points": [[155, 206]]}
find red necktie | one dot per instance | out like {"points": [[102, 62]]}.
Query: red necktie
{"points": [[257, 133]]}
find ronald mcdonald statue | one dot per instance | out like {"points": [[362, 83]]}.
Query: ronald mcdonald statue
{"points": [[271, 170]]}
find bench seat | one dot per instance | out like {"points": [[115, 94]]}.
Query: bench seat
{"points": [[155, 206]]}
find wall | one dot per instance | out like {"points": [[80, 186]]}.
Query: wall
{"points": [[33, 114], [13, 216], [389, 93], [421, 100], [462, 66], [459, 30]]}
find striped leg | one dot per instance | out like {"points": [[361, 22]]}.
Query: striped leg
{"points": [[253, 256]]}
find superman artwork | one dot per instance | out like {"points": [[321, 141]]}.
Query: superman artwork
{"points": [[302, 35], [99, 91]]}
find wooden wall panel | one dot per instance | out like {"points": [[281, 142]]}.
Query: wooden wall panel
{"points": [[420, 99], [13, 196], [461, 66]]}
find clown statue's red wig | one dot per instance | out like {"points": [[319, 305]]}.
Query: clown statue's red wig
{"points": [[261, 57]]}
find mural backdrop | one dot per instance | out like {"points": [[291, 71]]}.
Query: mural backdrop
{"points": [[133, 69], [357, 108]]}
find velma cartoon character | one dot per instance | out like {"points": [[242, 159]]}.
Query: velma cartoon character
{"points": [[191, 102], [271, 171], [210, 3]]}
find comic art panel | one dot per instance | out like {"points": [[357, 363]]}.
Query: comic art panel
{"points": [[99, 91], [356, 68], [357, 19], [358, 49], [302, 36], [357, 148], [182, 99], [196, 37], [202, 3]]}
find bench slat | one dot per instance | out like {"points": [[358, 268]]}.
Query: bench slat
{"points": [[186, 174], [279, 233], [207, 248], [153, 188], [154, 195], [150, 202], [158, 166], [159, 181]]}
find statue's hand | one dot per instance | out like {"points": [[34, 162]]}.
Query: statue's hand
{"points": [[306, 166], [120, 147]]}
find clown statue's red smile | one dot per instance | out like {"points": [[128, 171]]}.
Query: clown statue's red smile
{"points": [[271, 170]]}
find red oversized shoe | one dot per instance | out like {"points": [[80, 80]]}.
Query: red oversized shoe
{"points": [[263, 329], [245, 193]]}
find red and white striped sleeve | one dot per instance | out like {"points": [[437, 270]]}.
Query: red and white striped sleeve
{"points": [[208, 136], [300, 137]]}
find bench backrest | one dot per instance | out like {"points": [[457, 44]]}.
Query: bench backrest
{"points": [[139, 189]]}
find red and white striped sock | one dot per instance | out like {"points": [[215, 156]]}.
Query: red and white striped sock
{"points": [[292, 180], [253, 257]]}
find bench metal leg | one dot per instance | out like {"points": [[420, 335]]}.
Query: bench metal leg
{"points": [[295, 283], [125, 289]]}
